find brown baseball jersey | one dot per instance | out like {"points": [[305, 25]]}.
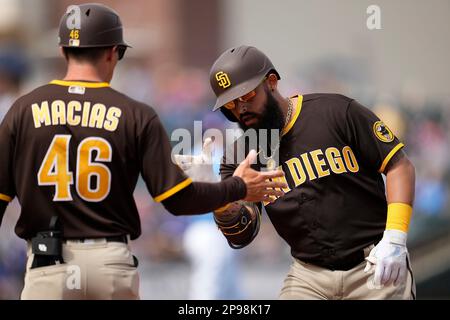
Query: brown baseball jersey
{"points": [[333, 152], [76, 149]]}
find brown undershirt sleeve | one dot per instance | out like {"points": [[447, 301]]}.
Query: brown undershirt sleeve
{"points": [[203, 197]]}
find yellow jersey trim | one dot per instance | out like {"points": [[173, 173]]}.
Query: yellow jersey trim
{"points": [[294, 118], [80, 83], [4, 197], [173, 190], [389, 156]]}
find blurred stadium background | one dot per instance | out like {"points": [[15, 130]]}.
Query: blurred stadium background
{"points": [[402, 72]]}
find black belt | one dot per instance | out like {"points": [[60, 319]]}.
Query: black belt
{"points": [[43, 261], [347, 263], [344, 264], [122, 239]]}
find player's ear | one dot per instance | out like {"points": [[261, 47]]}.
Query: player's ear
{"points": [[110, 53], [63, 53], [272, 80]]}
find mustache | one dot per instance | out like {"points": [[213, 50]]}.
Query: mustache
{"points": [[247, 114]]}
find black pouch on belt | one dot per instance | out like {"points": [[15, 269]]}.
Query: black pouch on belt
{"points": [[47, 245]]}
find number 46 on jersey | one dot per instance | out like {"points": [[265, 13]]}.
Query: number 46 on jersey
{"points": [[92, 179]]}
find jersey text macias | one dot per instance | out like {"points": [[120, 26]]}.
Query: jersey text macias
{"points": [[75, 113]]}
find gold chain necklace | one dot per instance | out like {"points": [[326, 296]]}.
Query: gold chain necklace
{"points": [[289, 112]]}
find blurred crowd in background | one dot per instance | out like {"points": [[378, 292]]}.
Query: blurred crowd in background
{"points": [[174, 250]]}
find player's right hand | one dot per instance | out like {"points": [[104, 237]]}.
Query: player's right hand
{"points": [[387, 261], [259, 187]]}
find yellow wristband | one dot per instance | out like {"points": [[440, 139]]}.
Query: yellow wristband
{"points": [[398, 216]]}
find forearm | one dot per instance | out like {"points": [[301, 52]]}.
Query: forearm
{"points": [[388, 259], [400, 185], [203, 197]]}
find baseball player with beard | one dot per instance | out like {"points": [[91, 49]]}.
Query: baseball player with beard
{"points": [[347, 229]]}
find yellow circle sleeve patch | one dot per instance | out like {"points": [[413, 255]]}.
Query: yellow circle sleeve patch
{"points": [[382, 132]]}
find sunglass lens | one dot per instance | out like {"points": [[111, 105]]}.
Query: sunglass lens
{"points": [[229, 105]]}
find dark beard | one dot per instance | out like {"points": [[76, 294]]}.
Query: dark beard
{"points": [[272, 116]]}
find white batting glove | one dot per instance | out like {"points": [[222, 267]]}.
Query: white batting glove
{"points": [[388, 259], [200, 167]]}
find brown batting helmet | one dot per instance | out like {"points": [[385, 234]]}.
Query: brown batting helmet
{"points": [[90, 25], [236, 72]]}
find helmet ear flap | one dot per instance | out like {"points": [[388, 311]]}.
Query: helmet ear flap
{"points": [[228, 114]]}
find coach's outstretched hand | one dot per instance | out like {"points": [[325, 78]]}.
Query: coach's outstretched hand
{"points": [[259, 187]]}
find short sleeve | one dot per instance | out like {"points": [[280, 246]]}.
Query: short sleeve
{"points": [[7, 189], [162, 177], [374, 141]]}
